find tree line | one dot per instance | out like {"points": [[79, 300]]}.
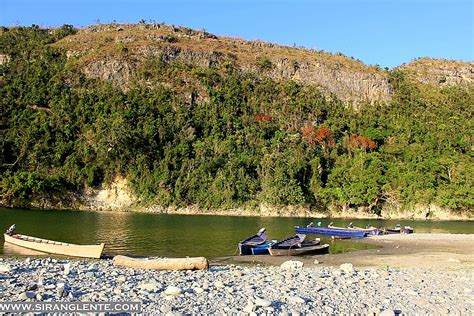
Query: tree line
{"points": [[250, 140]]}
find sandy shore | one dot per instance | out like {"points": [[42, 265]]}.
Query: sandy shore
{"points": [[431, 251]]}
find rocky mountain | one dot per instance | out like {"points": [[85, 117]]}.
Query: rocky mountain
{"points": [[184, 118], [113, 51]]}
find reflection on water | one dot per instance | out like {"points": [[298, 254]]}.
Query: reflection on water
{"points": [[180, 235]]}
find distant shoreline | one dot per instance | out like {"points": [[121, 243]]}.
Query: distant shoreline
{"points": [[282, 212]]}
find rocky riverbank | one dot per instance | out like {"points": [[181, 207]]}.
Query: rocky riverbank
{"points": [[240, 290]]}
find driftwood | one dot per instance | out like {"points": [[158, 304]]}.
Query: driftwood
{"points": [[198, 263]]}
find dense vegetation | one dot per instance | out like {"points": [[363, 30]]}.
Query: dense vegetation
{"points": [[250, 141]]}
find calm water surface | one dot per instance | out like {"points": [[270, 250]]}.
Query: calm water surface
{"points": [[180, 235]]}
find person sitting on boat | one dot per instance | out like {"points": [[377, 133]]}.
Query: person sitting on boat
{"points": [[10, 231]]}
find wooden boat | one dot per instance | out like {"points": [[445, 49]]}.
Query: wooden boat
{"points": [[55, 247], [246, 245], [296, 245], [370, 231]]}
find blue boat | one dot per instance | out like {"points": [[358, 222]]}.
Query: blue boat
{"points": [[263, 248], [332, 231], [259, 239]]}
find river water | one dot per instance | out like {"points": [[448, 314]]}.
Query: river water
{"points": [[181, 235]]}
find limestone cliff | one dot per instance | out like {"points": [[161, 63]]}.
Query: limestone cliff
{"points": [[113, 52], [441, 72]]}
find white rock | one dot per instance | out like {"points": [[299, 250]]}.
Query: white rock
{"points": [[316, 261], [198, 290], [296, 300], [118, 291], [67, 267], [262, 302], [121, 279], [219, 285], [374, 312], [148, 287], [249, 307], [173, 291], [165, 309], [291, 265], [347, 268], [4, 268], [22, 297], [387, 312]]}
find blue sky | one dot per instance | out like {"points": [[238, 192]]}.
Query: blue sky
{"points": [[381, 32]]}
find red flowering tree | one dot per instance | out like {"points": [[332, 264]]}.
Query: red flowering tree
{"points": [[354, 142], [263, 117], [321, 135]]}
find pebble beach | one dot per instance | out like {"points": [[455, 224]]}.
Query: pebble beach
{"points": [[289, 288]]}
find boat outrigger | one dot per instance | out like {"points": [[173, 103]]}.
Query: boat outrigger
{"points": [[53, 247]]}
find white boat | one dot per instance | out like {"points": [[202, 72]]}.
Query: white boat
{"points": [[55, 247]]}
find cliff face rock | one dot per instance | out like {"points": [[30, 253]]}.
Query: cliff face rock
{"points": [[114, 51], [117, 70], [113, 196], [355, 86], [440, 72]]}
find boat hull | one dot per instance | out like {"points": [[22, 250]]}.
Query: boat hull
{"points": [[299, 250], [332, 231], [54, 247], [262, 249]]}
